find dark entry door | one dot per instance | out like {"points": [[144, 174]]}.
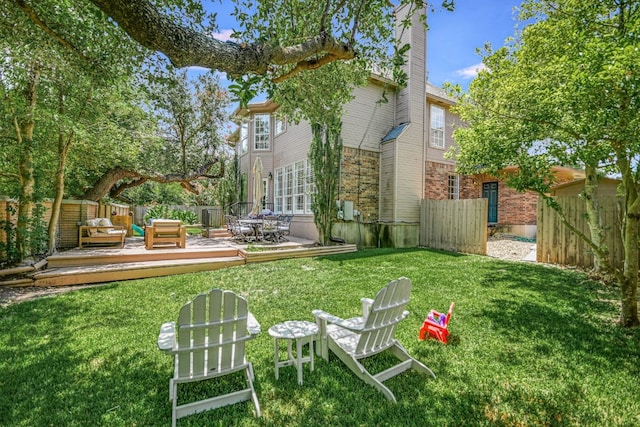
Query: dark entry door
{"points": [[490, 191]]}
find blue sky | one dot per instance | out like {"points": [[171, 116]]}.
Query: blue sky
{"points": [[452, 38]]}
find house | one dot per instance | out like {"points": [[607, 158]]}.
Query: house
{"points": [[511, 211], [606, 187], [393, 157]]}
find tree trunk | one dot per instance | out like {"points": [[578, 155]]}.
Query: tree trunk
{"points": [[629, 283], [25, 164], [64, 144], [594, 221], [325, 155], [630, 234]]}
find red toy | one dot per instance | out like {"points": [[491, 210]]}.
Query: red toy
{"points": [[436, 325]]}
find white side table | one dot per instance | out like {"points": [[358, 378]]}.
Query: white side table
{"points": [[303, 332]]}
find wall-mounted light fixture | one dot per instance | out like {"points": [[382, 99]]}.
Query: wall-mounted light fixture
{"points": [[270, 176]]}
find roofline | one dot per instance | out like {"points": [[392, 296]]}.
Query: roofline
{"points": [[256, 107], [601, 180]]}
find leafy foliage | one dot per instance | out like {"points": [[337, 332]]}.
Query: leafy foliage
{"points": [[564, 91], [164, 212]]}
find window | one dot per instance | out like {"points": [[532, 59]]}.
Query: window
{"points": [[287, 190], [280, 126], [310, 188], [437, 127], [293, 188], [298, 187], [277, 190], [244, 138], [454, 187], [261, 132]]}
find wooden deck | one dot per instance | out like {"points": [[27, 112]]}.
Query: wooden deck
{"points": [[108, 263]]}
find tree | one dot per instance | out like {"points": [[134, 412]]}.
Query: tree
{"points": [[565, 91], [51, 76], [187, 144]]}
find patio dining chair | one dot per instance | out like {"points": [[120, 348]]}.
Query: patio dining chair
{"points": [[240, 232], [270, 230], [207, 342], [372, 333], [284, 225]]}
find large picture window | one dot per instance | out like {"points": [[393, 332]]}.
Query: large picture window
{"points": [[436, 136], [261, 132], [293, 189]]}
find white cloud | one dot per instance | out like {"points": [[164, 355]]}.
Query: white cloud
{"points": [[223, 35], [471, 71]]}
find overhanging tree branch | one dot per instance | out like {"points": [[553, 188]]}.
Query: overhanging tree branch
{"points": [[185, 47], [118, 179]]}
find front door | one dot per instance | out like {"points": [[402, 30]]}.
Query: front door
{"points": [[490, 191]]}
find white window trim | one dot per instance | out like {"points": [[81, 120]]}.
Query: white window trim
{"points": [[279, 130], [256, 122], [453, 187], [440, 127], [297, 197], [244, 138]]}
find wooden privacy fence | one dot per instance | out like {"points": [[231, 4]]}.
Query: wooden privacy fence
{"points": [[454, 225], [214, 216], [72, 214], [556, 244]]}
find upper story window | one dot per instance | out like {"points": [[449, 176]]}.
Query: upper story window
{"points": [[244, 137], [453, 190], [436, 136], [280, 126], [262, 132]]}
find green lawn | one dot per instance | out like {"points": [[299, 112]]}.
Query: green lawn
{"points": [[529, 345]]}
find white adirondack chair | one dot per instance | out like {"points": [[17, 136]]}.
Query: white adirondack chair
{"points": [[361, 337], [207, 342]]}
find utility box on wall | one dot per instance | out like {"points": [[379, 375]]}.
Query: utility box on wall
{"points": [[348, 210]]}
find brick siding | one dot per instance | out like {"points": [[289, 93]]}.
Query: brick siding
{"points": [[360, 180]]}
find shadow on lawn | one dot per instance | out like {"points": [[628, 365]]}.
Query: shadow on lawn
{"points": [[384, 252], [563, 314]]}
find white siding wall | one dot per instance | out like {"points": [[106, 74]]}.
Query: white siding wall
{"points": [[366, 121], [292, 145], [409, 163]]}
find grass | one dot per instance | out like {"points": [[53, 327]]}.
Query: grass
{"points": [[529, 345]]}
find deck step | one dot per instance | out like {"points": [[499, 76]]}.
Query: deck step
{"points": [[77, 275], [263, 256], [139, 255]]}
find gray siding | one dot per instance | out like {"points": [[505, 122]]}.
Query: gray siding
{"points": [[410, 152], [367, 121]]}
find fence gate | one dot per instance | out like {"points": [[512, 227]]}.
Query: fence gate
{"points": [[454, 225]]}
